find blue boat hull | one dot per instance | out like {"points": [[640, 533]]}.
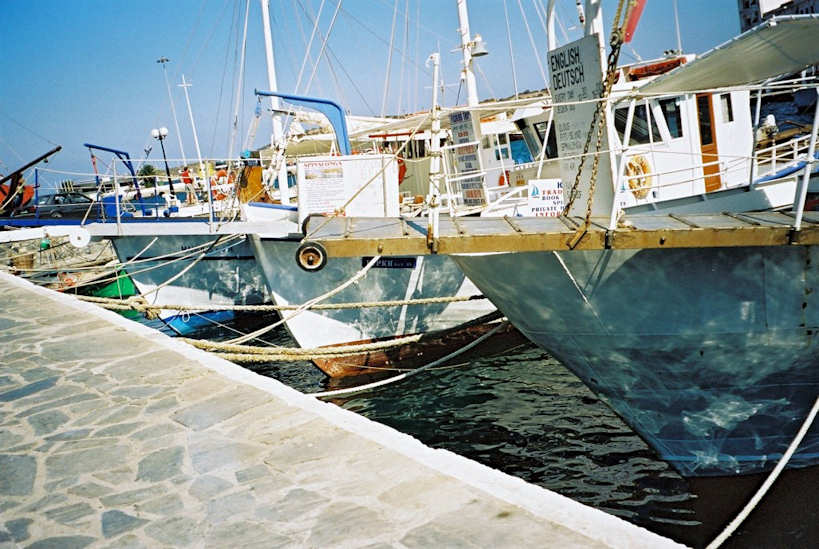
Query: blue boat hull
{"points": [[711, 355]]}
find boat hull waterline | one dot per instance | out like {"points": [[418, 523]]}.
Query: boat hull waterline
{"points": [[710, 354]]}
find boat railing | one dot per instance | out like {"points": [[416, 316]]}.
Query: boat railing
{"points": [[780, 156]]}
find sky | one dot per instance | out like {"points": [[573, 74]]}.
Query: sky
{"points": [[86, 70]]}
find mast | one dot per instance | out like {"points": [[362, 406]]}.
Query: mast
{"points": [[277, 138], [162, 61], [466, 48], [234, 126]]}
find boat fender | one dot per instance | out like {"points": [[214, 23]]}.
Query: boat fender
{"points": [[503, 179], [311, 256], [637, 171]]}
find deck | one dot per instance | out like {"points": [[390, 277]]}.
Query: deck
{"points": [[350, 237]]}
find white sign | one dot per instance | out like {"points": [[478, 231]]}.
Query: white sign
{"points": [[327, 182], [577, 75], [465, 131], [545, 198]]}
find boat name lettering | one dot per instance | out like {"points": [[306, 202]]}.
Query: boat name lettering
{"points": [[391, 262]]}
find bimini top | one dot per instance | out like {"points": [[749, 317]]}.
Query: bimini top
{"points": [[781, 45]]}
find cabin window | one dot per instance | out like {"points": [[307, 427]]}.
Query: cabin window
{"points": [[673, 116], [640, 132], [727, 108], [704, 114], [551, 143]]}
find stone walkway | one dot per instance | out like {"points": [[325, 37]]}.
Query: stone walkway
{"points": [[113, 435]]}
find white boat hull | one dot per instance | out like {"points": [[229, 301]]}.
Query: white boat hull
{"points": [[226, 275], [433, 276], [710, 354]]}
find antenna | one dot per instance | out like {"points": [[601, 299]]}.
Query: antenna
{"points": [[677, 24]]}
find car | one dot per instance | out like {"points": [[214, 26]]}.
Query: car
{"points": [[68, 204]]}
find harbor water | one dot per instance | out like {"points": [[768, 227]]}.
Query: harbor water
{"points": [[520, 411]]}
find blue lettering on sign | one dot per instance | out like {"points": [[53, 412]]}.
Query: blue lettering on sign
{"points": [[391, 262]]}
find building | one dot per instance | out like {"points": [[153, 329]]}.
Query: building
{"points": [[752, 12]]}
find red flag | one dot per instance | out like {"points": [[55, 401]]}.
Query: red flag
{"points": [[633, 19]]}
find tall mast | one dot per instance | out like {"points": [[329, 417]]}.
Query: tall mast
{"points": [[162, 61], [466, 48], [234, 123], [277, 139]]}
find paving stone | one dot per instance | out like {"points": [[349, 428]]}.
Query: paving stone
{"points": [[59, 485], [119, 430], [17, 474], [140, 392], [29, 389], [175, 531], [252, 473], [47, 422], [165, 506], [90, 490], [133, 496], [86, 461], [57, 404], [35, 374], [70, 513], [209, 455], [295, 504], [73, 434], [206, 487], [129, 541], [18, 528], [45, 502], [62, 542], [9, 439], [246, 534], [220, 408], [161, 465], [124, 413], [6, 380], [156, 431], [232, 505], [115, 476], [116, 522], [162, 405], [345, 524]]}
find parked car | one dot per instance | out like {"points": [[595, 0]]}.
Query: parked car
{"points": [[68, 204]]}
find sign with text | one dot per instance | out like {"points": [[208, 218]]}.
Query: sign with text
{"points": [[545, 198], [327, 182], [577, 75], [466, 133]]}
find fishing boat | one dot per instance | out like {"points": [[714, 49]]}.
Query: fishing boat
{"points": [[708, 352]]}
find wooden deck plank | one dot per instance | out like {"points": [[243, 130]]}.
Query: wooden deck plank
{"points": [[390, 237]]}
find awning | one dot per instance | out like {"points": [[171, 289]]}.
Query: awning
{"points": [[782, 45]]}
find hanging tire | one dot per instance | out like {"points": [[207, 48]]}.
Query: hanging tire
{"points": [[306, 222], [311, 256]]}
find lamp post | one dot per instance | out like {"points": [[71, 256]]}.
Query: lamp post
{"points": [[161, 134]]}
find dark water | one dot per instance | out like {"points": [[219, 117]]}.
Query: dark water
{"points": [[520, 411]]}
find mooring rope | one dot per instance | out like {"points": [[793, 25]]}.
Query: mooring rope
{"points": [[118, 304], [719, 540], [394, 379], [309, 304]]}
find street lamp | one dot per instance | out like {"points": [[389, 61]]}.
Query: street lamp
{"points": [[161, 134]]}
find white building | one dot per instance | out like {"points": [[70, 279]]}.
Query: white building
{"points": [[752, 12]]}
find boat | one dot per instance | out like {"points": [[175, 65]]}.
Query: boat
{"points": [[708, 353]]}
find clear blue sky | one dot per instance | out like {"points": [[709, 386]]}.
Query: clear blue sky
{"points": [[85, 70]]}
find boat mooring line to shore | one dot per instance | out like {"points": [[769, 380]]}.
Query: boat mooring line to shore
{"points": [[592, 523], [757, 497], [308, 304]]}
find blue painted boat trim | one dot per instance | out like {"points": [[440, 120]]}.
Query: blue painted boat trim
{"points": [[273, 206], [187, 323]]}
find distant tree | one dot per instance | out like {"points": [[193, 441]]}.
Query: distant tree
{"points": [[148, 172]]}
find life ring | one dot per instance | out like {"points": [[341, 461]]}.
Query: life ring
{"points": [[66, 280], [503, 179], [402, 170], [218, 195], [637, 171]]}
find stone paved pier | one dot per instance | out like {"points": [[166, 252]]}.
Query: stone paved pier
{"points": [[114, 435]]}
